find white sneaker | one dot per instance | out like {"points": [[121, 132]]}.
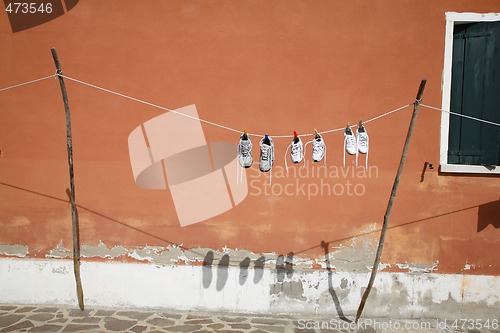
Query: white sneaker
{"points": [[296, 154], [245, 151], [266, 154], [349, 141], [318, 146], [362, 140]]}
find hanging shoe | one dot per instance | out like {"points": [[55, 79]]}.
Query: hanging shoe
{"points": [[318, 147], [245, 151], [296, 154], [362, 141], [266, 153], [349, 142]]}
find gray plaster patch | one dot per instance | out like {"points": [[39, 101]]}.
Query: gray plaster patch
{"points": [[292, 289], [350, 259], [343, 283], [20, 251], [102, 251]]}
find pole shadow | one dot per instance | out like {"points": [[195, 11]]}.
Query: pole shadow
{"points": [[331, 290]]}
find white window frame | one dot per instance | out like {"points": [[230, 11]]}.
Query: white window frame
{"points": [[453, 18]]}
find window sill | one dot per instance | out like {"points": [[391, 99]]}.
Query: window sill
{"points": [[460, 168]]}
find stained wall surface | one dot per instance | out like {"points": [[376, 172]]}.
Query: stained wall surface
{"points": [[269, 67]]}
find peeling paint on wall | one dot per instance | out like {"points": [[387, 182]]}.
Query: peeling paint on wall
{"points": [[355, 258], [20, 251], [419, 268], [59, 252], [102, 251]]}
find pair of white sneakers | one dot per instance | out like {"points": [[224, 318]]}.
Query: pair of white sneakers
{"points": [[245, 157], [298, 149], [355, 145]]}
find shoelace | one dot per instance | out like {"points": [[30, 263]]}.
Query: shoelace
{"points": [[239, 168], [245, 150], [266, 153], [349, 139], [363, 139]]}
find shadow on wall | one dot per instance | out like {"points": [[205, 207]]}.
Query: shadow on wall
{"points": [[219, 272], [103, 216], [331, 290], [488, 214]]}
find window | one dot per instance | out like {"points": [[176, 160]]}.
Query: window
{"points": [[471, 86]]}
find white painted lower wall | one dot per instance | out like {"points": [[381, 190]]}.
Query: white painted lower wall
{"points": [[129, 285]]}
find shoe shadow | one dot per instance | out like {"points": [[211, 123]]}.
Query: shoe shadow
{"points": [[222, 272], [284, 267], [207, 269], [259, 269], [244, 264]]}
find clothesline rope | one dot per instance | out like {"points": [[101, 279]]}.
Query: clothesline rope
{"points": [[461, 115], [230, 128], [29, 82], [215, 124]]}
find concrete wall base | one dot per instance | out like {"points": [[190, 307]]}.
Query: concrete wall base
{"points": [[240, 289]]}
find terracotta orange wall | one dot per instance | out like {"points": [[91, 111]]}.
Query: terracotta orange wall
{"points": [[270, 67]]}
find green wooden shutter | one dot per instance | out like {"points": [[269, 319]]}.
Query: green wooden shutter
{"points": [[475, 91]]}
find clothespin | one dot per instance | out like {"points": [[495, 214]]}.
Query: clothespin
{"points": [[360, 125], [245, 134], [316, 134], [348, 127]]}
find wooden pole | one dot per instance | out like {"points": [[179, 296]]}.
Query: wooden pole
{"points": [[416, 106], [74, 219]]}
